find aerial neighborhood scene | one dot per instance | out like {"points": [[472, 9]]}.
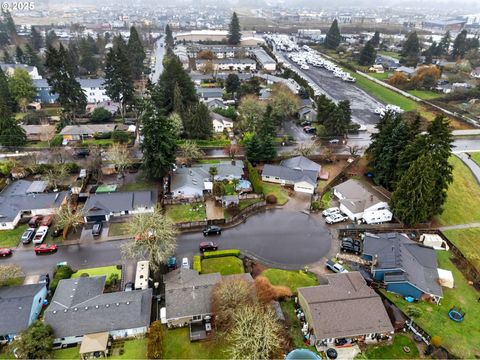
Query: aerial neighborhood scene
{"points": [[249, 179]]}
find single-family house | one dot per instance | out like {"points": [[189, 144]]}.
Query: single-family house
{"points": [[39, 132], [111, 106], [9, 69], [361, 203], [343, 306], [307, 113], [19, 308], [404, 266], [19, 199], [188, 295], [81, 132], [103, 206], [80, 307], [264, 60], [216, 104], [220, 122], [299, 172], [93, 89], [409, 71], [191, 182], [229, 64], [378, 69], [209, 94]]}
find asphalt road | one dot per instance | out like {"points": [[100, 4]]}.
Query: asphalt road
{"points": [[159, 53], [283, 238]]}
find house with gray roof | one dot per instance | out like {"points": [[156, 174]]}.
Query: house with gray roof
{"points": [[188, 295], [343, 306], [19, 308], [361, 202], [81, 132], [102, 206], [404, 266], [23, 199], [298, 171], [80, 307], [220, 122], [209, 94]]}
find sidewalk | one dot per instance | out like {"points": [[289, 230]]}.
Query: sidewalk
{"points": [[472, 165]]}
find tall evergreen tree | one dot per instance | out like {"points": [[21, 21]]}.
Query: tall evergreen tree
{"points": [[136, 54], [31, 58], [411, 50], [325, 107], [368, 54], [254, 149], [460, 45], [19, 55], [7, 58], [169, 42], [35, 38], [412, 199], [7, 102], [234, 35], [73, 55], [444, 45], [50, 38], [339, 119], [11, 133], [333, 37], [159, 143], [88, 62], [198, 124], [375, 40], [232, 83]]}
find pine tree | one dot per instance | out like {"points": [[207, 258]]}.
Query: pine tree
{"points": [[375, 40], [11, 133], [459, 45], [232, 83], [35, 39], [159, 143], [198, 124], [169, 42], [333, 37], [254, 149], [73, 55], [325, 107], [411, 50], [412, 199], [368, 54], [234, 35], [50, 38], [7, 58], [87, 59], [444, 45], [7, 103], [19, 55], [31, 58], [268, 150], [136, 54]]}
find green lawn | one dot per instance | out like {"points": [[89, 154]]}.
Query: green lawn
{"points": [[104, 270], [133, 349], [139, 186], [229, 188], [425, 94], [227, 265], [11, 238], [390, 53], [208, 143], [117, 229], [208, 161], [177, 345], [98, 142], [463, 200], [392, 351], [292, 279], [380, 76], [326, 200], [277, 190], [461, 339], [476, 157], [186, 212], [468, 242]]}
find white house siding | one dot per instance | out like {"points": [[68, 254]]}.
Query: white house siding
{"points": [[116, 334], [10, 225], [185, 320], [95, 94], [352, 216], [276, 180], [377, 216], [188, 191], [304, 187]]}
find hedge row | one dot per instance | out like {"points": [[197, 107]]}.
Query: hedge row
{"points": [[197, 263], [254, 178], [219, 253], [62, 272]]}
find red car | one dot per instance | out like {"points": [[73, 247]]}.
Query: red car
{"points": [[35, 221], [45, 249], [47, 220], [208, 246], [5, 252]]}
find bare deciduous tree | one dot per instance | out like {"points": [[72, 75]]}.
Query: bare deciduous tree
{"points": [[55, 176], [120, 156], [305, 149], [155, 238], [231, 150], [94, 162], [10, 271], [66, 217], [354, 150], [190, 151]]}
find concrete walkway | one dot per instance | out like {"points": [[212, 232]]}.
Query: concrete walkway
{"points": [[460, 226], [472, 165]]}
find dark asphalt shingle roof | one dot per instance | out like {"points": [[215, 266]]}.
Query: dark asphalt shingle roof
{"points": [[106, 203], [301, 163], [288, 174], [15, 307], [80, 307]]}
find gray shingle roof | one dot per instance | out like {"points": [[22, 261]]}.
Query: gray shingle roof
{"points": [[288, 174], [417, 264], [301, 163], [87, 129], [209, 92], [345, 306], [80, 307], [357, 196], [15, 307], [105, 203]]}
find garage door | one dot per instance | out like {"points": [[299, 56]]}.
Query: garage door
{"points": [[96, 218], [304, 188]]}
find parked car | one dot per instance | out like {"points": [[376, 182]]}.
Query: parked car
{"points": [[335, 218], [27, 236], [81, 153], [310, 130], [172, 263], [40, 235], [97, 229], [208, 246], [4, 252], [306, 123], [331, 211], [57, 232], [185, 263], [212, 230], [35, 221], [335, 267], [47, 220], [334, 141], [45, 249], [129, 286], [350, 245]]}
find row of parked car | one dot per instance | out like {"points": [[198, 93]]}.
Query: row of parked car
{"points": [[38, 227], [333, 215]]}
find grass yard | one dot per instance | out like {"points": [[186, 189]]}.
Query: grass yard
{"points": [[390, 53], [293, 324], [425, 94], [139, 186], [104, 270], [208, 161], [186, 212], [326, 200], [208, 143], [277, 190], [461, 339], [292, 279], [241, 205], [392, 351], [463, 201], [98, 142], [11, 238], [380, 76], [476, 157], [227, 265], [468, 242], [117, 229], [133, 349], [177, 345]]}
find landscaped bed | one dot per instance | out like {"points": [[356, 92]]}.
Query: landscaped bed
{"points": [[177, 345], [227, 265], [463, 199], [186, 212], [468, 242], [292, 279], [461, 339], [117, 229], [241, 206], [392, 351], [11, 238], [280, 193]]}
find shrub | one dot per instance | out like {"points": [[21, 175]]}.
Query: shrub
{"points": [[56, 141], [316, 205], [120, 136], [112, 279], [221, 253], [72, 168], [105, 135], [101, 115], [155, 337], [218, 189], [197, 263], [436, 341], [61, 272], [254, 178], [271, 199], [413, 311], [267, 292]]}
